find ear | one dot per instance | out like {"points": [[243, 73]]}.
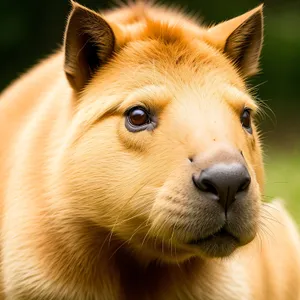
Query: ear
{"points": [[241, 39], [89, 43]]}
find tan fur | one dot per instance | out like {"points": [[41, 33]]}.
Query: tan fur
{"points": [[89, 209]]}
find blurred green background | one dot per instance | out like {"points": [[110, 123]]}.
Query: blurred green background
{"points": [[30, 30]]}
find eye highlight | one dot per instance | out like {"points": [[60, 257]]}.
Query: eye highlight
{"points": [[138, 118], [246, 120]]}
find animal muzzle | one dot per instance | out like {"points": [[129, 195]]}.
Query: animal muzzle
{"points": [[228, 206]]}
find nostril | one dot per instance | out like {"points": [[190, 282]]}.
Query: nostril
{"points": [[244, 185], [191, 159], [208, 187], [205, 185]]}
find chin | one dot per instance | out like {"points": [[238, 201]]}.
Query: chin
{"points": [[217, 245]]}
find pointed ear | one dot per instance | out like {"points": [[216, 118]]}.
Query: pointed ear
{"points": [[241, 39], [89, 43]]}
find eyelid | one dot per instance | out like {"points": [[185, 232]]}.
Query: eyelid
{"points": [[138, 105], [251, 111]]}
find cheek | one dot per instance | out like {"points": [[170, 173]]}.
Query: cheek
{"points": [[106, 180], [250, 146], [252, 152], [257, 162], [134, 141]]}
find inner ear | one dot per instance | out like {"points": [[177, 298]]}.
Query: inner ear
{"points": [[244, 44], [89, 43], [90, 53], [240, 39]]}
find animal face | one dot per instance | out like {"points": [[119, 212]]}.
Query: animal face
{"points": [[163, 152]]}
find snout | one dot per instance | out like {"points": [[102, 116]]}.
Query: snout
{"points": [[223, 182], [210, 205]]}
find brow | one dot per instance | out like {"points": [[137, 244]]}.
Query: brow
{"points": [[153, 97], [238, 99]]}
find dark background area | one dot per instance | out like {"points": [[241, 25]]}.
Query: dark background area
{"points": [[30, 30]]}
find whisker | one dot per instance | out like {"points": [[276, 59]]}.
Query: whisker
{"points": [[159, 231], [266, 230], [126, 241], [271, 206], [126, 203], [101, 248]]}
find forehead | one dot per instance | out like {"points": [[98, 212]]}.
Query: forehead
{"points": [[181, 69], [175, 66], [171, 50], [158, 97]]}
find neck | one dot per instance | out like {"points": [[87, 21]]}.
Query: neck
{"points": [[93, 260]]}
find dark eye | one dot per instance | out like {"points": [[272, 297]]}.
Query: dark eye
{"points": [[138, 119], [138, 116], [246, 120]]}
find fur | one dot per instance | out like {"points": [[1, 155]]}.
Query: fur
{"points": [[89, 210]]}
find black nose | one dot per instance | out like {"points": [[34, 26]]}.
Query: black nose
{"points": [[223, 182]]}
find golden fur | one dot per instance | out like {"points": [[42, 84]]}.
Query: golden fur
{"points": [[89, 209]]}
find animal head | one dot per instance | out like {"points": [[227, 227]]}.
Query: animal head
{"points": [[163, 152]]}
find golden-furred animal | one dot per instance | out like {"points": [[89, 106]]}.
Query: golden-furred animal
{"points": [[131, 166]]}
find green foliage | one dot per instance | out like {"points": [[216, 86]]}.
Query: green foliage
{"points": [[283, 179]]}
